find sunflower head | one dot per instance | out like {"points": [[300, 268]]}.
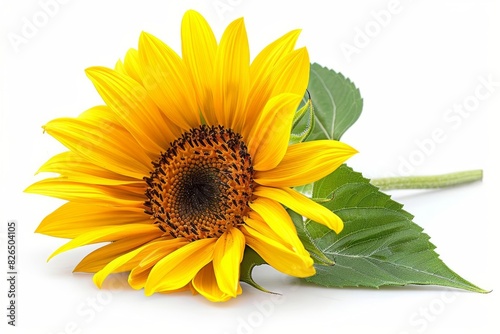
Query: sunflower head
{"points": [[188, 162]]}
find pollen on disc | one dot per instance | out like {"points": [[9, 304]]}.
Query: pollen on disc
{"points": [[201, 185]]}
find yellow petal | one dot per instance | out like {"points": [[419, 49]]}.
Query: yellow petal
{"points": [[138, 277], [96, 136], [278, 220], [99, 258], [131, 259], [228, 254], [256, 222], [161, 250], [206, 284], [73, 219], [167, 81], [198, 52], [268, 140], [114, 265], [302, 205], [231, 75], [135, 110], [179, 267], [122, 195], [131, 64], [291, 73], [261, 72], [119, 67], [306, 162], [107, 233], [262, 65], [78, 169], [279, 256], [139, 274], [187, 287]]}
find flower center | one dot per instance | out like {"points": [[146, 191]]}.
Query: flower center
{"points": [[201, 185]]}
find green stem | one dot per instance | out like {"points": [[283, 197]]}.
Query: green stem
{"points": [[426, 182]]}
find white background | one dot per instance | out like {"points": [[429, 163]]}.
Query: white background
{"points": [[413, 69]]}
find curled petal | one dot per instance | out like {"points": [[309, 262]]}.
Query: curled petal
{"points": [[179, 267], [228, 254], [99, 258], [207, 285], [114, 266], [279, 221], [278, 255], [302, 205]]}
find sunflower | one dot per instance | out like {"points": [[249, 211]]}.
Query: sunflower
{"points": [[188, 162]]}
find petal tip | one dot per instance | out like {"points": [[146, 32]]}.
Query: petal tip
{"points": [[39, 229], [97, 280], [52, 255], [335, 223], [144, 34], [91, 70], [148, 291], [29, 189], [191, 13], [339, 227], [237, 25], [349, 151], [94, 71], [146, 37]]}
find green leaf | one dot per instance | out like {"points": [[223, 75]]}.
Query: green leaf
{"points": [[380, 245], [250, 260], [337, 103]]}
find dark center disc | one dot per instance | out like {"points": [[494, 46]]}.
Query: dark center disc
{"points": [[201, 185]]}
